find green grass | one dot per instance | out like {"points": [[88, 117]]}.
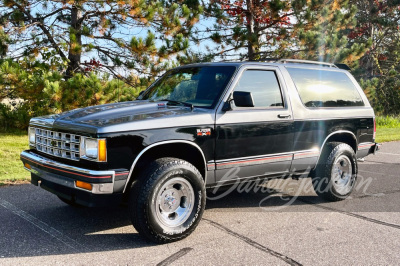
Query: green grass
{"points": [[12, 143], [385, 134], [11, 168], [388, 128]]}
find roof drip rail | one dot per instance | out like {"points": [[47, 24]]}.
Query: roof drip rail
{"points": [[297, 61]]}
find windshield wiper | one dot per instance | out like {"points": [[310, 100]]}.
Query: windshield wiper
{"points": [[179, 102]]}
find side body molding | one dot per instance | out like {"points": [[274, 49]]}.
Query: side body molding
{"points": [[330, 135], [162, 143]]}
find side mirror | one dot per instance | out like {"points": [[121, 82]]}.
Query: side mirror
{"points": [[243, 99]]}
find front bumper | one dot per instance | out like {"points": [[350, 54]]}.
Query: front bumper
{"points": [[60, 179]]}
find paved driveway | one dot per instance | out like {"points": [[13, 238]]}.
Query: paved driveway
{"points": [[265, 226]]}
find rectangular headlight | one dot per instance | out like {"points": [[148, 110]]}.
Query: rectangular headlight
{"points": [[32, 135], [94, 149], [91, 148]]}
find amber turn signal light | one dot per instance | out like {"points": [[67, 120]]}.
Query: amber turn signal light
{"points": [[102, 150], [83, 185], [27, 166]]}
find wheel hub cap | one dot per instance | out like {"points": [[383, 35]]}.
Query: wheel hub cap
{"points": [[175, 201], [342, 175], [170, 202]]}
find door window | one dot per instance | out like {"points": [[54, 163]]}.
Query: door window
{"points": [[264, 87]]}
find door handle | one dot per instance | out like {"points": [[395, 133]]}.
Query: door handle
{"points": [[283, 116]]}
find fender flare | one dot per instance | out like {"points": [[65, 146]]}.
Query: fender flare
{"points": [[330, 135], [163, 143]]}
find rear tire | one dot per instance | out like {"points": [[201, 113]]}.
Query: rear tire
{"points": [[336, 173], [167, 202]]}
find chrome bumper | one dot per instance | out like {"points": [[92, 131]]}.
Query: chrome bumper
{"points": [[66, 175], [376, 148]]}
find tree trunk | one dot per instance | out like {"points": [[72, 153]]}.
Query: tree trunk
{"points": [[253, 42], [74, 55]]}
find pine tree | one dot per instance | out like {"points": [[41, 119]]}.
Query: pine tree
{"points": [[248, 29], [262, 29], [135, 34], [377, 21], [321, 32], [379, 68]]}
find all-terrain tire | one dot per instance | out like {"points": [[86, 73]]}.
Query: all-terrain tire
{"points": [[167, 202], [336, 173]]}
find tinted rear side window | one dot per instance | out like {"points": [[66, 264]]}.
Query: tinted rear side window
{"points": [[321, 88]]}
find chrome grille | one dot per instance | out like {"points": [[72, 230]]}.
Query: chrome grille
{"points": [[63, 145]]}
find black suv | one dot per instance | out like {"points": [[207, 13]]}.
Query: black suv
{"points": [[189, 129]]}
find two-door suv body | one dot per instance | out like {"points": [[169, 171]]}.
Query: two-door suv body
{"points": [[201, 126]]}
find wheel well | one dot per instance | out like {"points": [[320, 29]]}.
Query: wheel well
{"points": [[182, 151], [344, 138]]}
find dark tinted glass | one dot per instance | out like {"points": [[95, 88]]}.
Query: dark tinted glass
{"points": [[200, 86], [263, 86], [321, 88]]}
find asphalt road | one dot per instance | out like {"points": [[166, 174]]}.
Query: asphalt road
{"points": [[262, 227]]}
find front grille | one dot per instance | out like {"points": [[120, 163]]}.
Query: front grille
{"points": [[63, 145]]}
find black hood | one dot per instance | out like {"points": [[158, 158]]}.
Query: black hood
{"points": [[91, 119]]}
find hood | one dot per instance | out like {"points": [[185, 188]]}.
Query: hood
{"points": [[125, 116]]}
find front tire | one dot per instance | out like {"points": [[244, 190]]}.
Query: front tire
{"points": [[336, 174], [167, 202]]}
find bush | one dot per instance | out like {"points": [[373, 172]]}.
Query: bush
{"points": [[388, 121], [43, 91], [384, 93], [13, 117]]}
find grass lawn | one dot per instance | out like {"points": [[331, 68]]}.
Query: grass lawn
{"points": [[388, 128], [385, 134], [11, 145], [11, 168]]}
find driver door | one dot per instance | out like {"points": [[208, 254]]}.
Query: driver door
{"points": [[255, 141]]}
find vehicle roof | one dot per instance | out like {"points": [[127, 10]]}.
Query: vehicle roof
{"points": [[299, 64]]}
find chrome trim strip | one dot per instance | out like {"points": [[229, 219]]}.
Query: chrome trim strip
{"points": [[162, 143], [253, 157], [310, 62], [333, 133], [42, 160], [255, 161], [365, 145], [333, 118], [264, 156], [98, 188], [210, 167], [306, 154]]}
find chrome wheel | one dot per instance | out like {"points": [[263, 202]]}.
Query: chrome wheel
{"points": [[342, 175], [174, 202]]}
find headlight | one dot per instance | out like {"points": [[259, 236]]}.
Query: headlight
{"points": [[32, 135], [91, 148], [94, 149]]}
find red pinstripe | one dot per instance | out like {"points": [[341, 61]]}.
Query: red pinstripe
{"points": [[68, 172]]}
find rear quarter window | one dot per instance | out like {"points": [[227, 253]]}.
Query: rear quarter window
{"points": [[322, 88]]}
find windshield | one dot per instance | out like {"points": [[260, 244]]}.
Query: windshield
{"points": [[199, 86]]}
